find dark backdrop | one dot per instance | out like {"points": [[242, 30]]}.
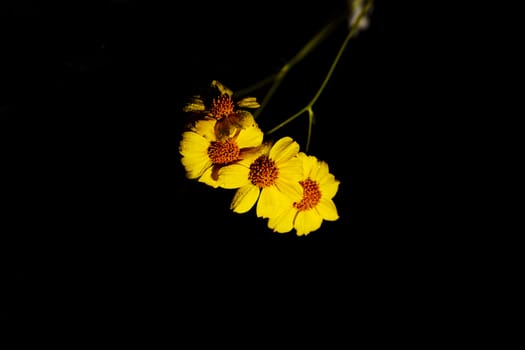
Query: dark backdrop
{"points": [[96, 206]]}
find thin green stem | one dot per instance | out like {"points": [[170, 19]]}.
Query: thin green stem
{"points": [[310, 126], [280, 125], [309, 106], [256, 86], [277, 78], [332, 68]]}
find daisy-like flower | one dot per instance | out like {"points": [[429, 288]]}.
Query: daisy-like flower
{"points": [[231, 116], [307, 214], [203, 154], [269, 178]]}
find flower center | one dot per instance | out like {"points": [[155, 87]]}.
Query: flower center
{"points": [[223, 152], [263, 172], [311, 195], [221, 107]]}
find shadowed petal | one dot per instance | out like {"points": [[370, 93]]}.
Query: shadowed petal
{"points": [[307, 221], [234, 176], [192, 142], [284, 149], [327, 209], [290, 189], [270, 202], [243, 119], [195, 158], [248, 102], [291, 171], [250, 137], [221, 88], [207, 178], [283, 222], [205, 128], [224, 129], [244, 199], [308, 163], [196, 104], [195, 166]]}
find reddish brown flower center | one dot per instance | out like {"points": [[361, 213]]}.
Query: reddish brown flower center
{"points": [[221, 107], [223, 152], [311, 195], [263, 172]]}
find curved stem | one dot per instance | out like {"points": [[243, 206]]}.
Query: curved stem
{"points": [[280, 76], [275, 128], [310, 127], [277, 78], [256, 86], [353, 30]]}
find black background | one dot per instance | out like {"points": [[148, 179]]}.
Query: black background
{"points": [[98, 216]]}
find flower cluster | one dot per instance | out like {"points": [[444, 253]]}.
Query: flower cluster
{"points": [[223, 147]]}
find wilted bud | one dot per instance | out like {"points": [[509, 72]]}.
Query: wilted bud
{"points": [[231, 125], [248, 102], [355, 8], [196, 104], [221, 88]]}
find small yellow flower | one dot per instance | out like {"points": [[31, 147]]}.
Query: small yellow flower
{"points": [[307, 214], [203, 154], [269, 177], [219, 104]]}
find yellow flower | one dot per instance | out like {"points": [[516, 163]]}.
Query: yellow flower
{"points": [[269, 177], [203, 154], [316, 205], [219, 104]]}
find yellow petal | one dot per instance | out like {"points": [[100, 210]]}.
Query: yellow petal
{"points": [[248, 102], [271, 201], [192, 142], [283, 222], [196, 104], [284, 149], [291, 190], [307, 221], [243, 119], [327, 209], [195, 166], [205, 128], [250, 137], [291, 170], [206, 178], [249, 155], [222, 89], [308, 163], [329, 188], [234, 176], [319, 170], [195, 158], [244, 199]]}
